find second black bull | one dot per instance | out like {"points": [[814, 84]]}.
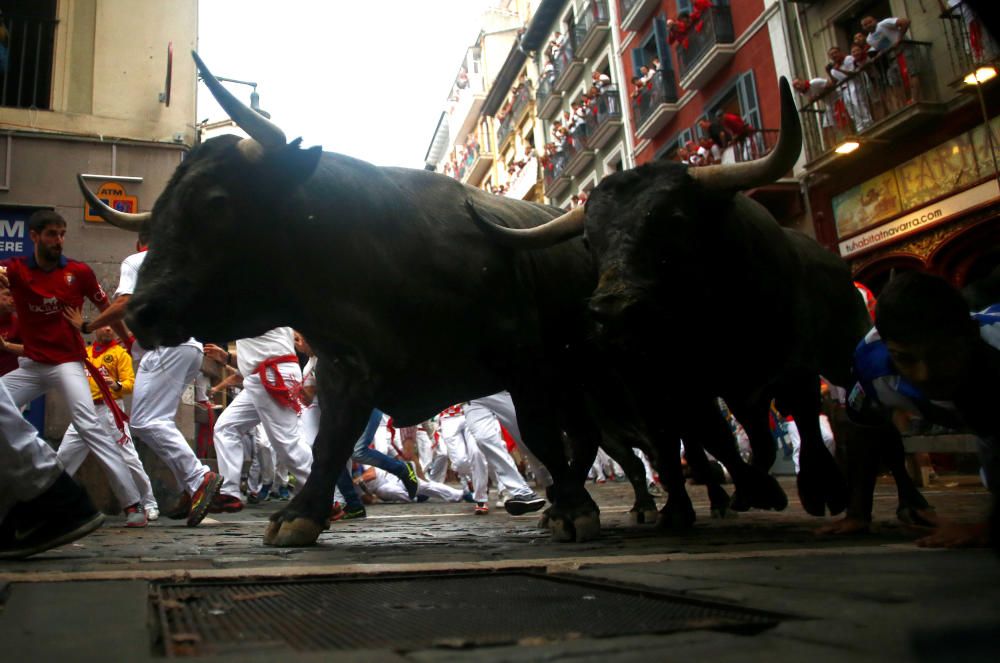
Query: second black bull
{"points": [[701, 294]]}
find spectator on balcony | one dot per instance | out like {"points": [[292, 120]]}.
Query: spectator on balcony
{"points": [[715, 130], [813, 89], [884, 34], [710, 150], [637, 89], [859, 59], [678, 28], [981, 45], [683, 155], [852, 90], [549, 71], [646, 75], [462, 81], [556, 44], [902, 71], [601, 81]]}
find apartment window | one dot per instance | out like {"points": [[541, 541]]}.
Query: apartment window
{"points": [[27, 41], [653, 46], [849, 24], [740, 99]]}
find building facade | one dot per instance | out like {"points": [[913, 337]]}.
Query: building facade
{"points": [[919, 190], [91, 87]]}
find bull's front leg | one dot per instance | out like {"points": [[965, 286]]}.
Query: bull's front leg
{"points": [[573, 514], [341, 423]]}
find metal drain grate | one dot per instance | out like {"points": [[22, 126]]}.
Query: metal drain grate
{"points": [[415, 612]]}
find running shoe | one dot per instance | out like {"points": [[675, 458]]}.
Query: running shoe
{"points": [[284, 494], [518, 506], [410, 481], [135, 516], [61, 514], [265, 493], [482, 508], [152, 512], [349, 513], [467, 496], [202, 499], [225, 504]]}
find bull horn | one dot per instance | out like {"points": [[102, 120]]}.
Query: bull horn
{"points": [[256, 125], [548, 234], [741, 176], [123, 220]]}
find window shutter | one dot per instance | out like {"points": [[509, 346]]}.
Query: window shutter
{"points": [[660, 35], [638, 60], [746, 90]]}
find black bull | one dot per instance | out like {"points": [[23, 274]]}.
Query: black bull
{"points": [[409, 306], [701, 284]]}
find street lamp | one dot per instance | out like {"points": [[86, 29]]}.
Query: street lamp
{"points": [[977, 79], [254, 97]]}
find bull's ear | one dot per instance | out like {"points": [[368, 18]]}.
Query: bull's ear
{"points": [[294, 165]]}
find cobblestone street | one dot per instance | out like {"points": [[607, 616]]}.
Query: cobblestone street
{"points": [[869, 596]]}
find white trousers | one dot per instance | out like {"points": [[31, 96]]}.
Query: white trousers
{"points": [[433, 458], [261, 472], [465, 456], [28, 466], [502, 406], [33, 379], [484, 426], [73, 451], [309, 423], [390, 489], [159, 382], [255, 406]]}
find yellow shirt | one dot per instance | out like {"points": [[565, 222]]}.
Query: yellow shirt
{"points": [[118, 365]]}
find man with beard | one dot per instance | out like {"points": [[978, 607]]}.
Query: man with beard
{"points": [[45, 285]]}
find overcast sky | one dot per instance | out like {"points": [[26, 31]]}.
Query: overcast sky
{"points": [[367, 78]]}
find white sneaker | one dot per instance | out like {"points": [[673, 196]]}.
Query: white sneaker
{"points": [[152, 512], [502, 498]]}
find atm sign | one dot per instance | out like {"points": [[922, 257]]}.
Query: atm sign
{"points": [[114, 196]]}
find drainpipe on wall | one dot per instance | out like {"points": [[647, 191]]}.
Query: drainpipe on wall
{"points": [[628, 158]]}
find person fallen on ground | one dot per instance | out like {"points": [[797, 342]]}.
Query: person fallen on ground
{"points": [[927, 355], [388, 488]]}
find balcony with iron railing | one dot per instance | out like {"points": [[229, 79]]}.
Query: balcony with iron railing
{"points": [[479, 159], [635, 12], [26, 61], [656, 104], [523, 179], [701, 54], [970, 46], [579, 153], [605, 122], [467, 104], [888, 97], [555, 178], [593, 27], [518, 106], [547, 101], [568, 62], [756, 144]]}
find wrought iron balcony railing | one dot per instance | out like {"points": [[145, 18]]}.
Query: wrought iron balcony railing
{"points": [[716, 28], [661, 89]]}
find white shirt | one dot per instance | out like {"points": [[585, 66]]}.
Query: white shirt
{"points": [[127, 278], [278, 342], [885, 35]]}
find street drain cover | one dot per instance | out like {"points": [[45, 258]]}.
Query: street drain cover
{"points": [[411, 612]]}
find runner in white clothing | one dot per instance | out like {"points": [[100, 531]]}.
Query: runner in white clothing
{"points": [[160, 378], [271, 380]]}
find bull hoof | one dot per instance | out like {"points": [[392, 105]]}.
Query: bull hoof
{"points": [[271, 533], [737, 503], [581, 523], [719, 500], [294, 533], [676, 515], [643, 516], [543, 520], [588, 527], [759, 490], [822, 490]]}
